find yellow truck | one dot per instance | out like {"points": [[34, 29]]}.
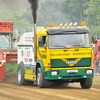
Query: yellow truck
{"points": [[63, 54]]}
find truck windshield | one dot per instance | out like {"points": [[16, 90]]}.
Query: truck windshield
{"points": [[69, 41], [4, 41]]}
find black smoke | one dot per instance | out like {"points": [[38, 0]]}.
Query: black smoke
{"points": [[34, 7]]}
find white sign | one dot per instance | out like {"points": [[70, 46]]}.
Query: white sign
{"points": [[72, 71]]}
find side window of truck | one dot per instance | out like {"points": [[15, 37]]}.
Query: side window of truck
{"points": [[42, 41]]}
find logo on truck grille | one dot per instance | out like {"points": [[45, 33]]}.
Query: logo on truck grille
{"points": [[71, 62]]}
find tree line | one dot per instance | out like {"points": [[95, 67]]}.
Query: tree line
{"points": [[51, 11]]}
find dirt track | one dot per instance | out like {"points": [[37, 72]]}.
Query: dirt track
{"points": [[71, 92], [53, 92]]}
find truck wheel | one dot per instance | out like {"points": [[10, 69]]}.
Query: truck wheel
{"points": [[86, 83], [41, 81], [20, 76]]}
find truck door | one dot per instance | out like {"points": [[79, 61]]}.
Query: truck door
{"points": [[42, 48]]}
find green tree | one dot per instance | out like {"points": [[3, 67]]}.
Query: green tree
{"points": [[93, 17], [21, 24], [74, 9], [51, 11]]}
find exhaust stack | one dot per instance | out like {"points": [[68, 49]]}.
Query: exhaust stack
{"points": [[35, 42], [34, 7]]}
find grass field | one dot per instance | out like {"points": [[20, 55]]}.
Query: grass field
{"points": [[11, 68], [96, 80]]}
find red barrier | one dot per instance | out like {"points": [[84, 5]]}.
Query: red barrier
{"points": [[2, 70], [11, 59]]}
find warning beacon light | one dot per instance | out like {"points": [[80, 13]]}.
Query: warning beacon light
{"points": [[82, 23], [51, 24]]}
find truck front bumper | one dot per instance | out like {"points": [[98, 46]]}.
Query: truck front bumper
{"points": [[69, 74]]}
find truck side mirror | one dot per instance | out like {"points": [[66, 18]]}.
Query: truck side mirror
{"points": [[94, 39]]}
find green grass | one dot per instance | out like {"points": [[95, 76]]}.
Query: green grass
{"points": [[11, 68], [96, 80]]}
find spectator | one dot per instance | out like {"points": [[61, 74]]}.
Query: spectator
{"points": [[99, 67], [96, 64], [3, 43]]}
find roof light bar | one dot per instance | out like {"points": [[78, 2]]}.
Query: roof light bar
{"points": [[68, 24]]}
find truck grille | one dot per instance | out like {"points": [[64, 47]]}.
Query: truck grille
{"points": [[59, 63]]}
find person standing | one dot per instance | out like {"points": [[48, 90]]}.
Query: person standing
{"points": [[99, 66], [3, 43], [96, 64]]}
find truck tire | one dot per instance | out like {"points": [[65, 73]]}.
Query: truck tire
{"points": [[41, 81], [20, 75], [86, 83]]}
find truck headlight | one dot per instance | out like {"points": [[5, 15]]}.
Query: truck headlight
{"points": [[89, 71], [54, 73]]}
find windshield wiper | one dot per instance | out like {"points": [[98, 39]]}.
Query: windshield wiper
{"points": [[61, 46], [80, 45], [70, 46]]}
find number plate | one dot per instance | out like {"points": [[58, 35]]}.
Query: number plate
{"points": [[72, 71]]}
